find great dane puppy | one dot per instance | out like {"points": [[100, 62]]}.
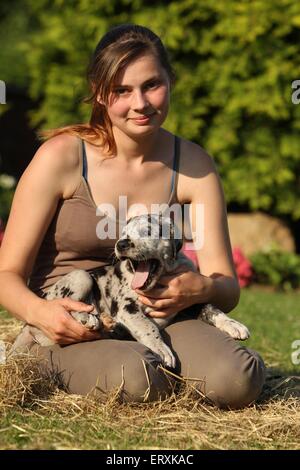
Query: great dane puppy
{"points": [[148, 248]]}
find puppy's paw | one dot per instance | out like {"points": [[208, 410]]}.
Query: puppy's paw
{"points": [[108, 323], [89, 320], [166, 355], [235, 329]]}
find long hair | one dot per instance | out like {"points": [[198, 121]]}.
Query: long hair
{"points": [[117, 48]]}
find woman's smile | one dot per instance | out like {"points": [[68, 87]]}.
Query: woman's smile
{"points": [[143, 120], [140, 96]]}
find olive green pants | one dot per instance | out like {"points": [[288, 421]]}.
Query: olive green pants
{"points": [[227, 373]]}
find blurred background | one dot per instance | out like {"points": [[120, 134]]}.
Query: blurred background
{"points": [[235, 63]]}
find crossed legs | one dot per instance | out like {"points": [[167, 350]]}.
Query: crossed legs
{"points": [[228, 374]]}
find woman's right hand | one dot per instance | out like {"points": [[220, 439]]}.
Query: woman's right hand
{"points": [[54, 320]]}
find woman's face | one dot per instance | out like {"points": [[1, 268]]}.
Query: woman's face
{"points": [[139, 102]]}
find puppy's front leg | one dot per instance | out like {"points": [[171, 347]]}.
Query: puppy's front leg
{"points": [[144, 330], [220, 320], [162, 323]]}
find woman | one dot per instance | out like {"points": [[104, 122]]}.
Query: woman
{"points": [[124, 151]]}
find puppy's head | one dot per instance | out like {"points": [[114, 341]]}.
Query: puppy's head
{"points": [[150, 244]]}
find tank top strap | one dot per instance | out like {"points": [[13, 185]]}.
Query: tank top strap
{"points": [[175, 166], [84, 161]]}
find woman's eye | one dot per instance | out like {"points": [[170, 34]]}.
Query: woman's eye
{"points": [[152, 85], [148, 86], [121, 91]]}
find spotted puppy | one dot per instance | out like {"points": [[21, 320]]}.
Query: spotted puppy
{"points": [[147, 249]]}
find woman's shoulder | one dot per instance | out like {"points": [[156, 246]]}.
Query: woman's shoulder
{"points": [[192, 155], [59, 157], [62, 150], [195, 165], [194, 159]]}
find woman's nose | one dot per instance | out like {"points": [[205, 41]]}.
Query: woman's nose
{"points": [[139, 101]]}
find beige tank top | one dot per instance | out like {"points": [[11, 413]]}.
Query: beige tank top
{"points": [[71, 241]]}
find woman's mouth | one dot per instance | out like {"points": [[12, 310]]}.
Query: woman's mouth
{"points": [[143, 119]]}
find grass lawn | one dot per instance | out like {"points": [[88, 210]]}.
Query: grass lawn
{"points": [[274, 323], [33, 416]]}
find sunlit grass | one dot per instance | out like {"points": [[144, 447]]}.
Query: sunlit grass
{"points": [[35, 414]]}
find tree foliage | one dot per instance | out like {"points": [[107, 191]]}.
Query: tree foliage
{"points": [[235, 62], [14, 30]]}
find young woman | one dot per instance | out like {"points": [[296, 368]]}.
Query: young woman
{"points": [[52, 229]]}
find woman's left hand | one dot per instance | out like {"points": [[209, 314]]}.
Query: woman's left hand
{"points": [[180, 289]]}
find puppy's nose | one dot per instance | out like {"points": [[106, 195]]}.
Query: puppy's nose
{"points": [[124, 244]]}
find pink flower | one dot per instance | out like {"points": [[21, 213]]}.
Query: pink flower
{"points": [[190, 253], [242, 264], [243, 267]]}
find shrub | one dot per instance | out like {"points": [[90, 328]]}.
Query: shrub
{"points": [[234, 61], [7, 187], [243, 267], [277, 268]]}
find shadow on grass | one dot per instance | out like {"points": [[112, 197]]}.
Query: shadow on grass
{"points": [[280, 384]]}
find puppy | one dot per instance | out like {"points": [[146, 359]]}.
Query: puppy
{"points": [[147, 249]]}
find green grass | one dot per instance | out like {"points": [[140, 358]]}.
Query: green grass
{"points": [[62, 421], [274, 323]]}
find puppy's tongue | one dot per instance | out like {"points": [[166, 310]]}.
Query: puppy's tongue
{"points": [[141, 274]]}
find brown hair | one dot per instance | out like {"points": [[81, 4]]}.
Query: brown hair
{"points": [[117, 48]]}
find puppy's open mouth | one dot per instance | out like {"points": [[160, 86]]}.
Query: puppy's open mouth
{"points": [[144, 272]]}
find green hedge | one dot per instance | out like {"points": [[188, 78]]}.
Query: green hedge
{"points": [[277, 268], [7, 187], [235, 62]]}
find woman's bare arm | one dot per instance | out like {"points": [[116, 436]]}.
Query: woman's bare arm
{"points": [[200, 185], [52, 175]]}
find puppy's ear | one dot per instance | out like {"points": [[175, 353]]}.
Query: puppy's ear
{"points": [[177, 245], [176, 233], [131, 218]]}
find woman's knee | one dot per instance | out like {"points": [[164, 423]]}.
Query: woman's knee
{"points": [[230, 375], [239, 381], [144, 380], [124, 366]]}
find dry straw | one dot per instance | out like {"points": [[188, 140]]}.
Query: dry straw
{"points": [[183, 421]]}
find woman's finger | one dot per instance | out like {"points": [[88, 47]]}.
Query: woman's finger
{"points": [[160, 314], [159, 304], [71, 304], [156, 293], [167, 279]]}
